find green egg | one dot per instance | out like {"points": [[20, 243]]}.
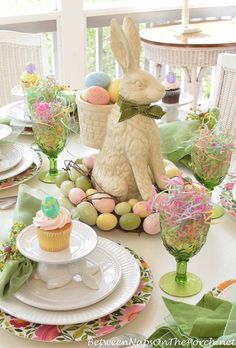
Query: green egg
{"points": [[87, 213], [50, 207], [129, 221], [122, 208], [63, 176], [74, 174], [83, 183], [66, 186]]}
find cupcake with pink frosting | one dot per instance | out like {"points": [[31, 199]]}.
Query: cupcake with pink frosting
{"points": [[53, 224]]}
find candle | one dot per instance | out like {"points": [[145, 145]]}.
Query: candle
{"points": [[185, 14]]}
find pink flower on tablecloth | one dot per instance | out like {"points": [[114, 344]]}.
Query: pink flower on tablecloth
{"points": [[18, 323], [47, 332], [104, 330], [229, 186], [131, 312]]}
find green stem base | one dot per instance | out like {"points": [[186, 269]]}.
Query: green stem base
{"points": [[48, 178], [192, 286]]}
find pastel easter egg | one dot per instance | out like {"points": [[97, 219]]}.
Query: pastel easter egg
{"points": [[90, 194], [166, 162], [66, 186], [96, 95], [74, 174], [132, 201], [103, 202], [106, 221], [100, 79], [89, 162], [172, 171], [151, 224], [122, 208], [114, 89], [76, 195], [50, 207], [129, 222], [63, 176], [140, 209], [86, 213], [83, 183]]}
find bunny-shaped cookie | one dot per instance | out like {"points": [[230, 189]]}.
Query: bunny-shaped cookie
{"points": [[131, 155]]}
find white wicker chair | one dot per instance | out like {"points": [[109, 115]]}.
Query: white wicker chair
{"points": [[16, 50], [224, 96]]}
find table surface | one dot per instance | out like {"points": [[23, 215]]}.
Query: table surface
{"points": [[214, 263], [212, 34]]}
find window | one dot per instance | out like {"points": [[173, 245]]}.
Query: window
{"points": [[14, 7]]}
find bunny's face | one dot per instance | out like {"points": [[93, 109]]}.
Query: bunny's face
{"points": [[138, 86]]}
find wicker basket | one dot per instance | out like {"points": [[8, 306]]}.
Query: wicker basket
{"points": [[93, 123]]}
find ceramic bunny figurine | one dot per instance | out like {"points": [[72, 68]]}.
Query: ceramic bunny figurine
{"points": [[131, 155]]}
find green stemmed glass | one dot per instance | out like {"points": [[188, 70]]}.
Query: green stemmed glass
{"points": [[49, 122], [183, 240], [210, 164]]}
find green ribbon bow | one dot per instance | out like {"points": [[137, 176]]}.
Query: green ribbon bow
{"points": [[129, 109]]}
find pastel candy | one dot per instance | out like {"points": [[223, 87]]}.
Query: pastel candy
{"points": [[151, 224], [50, 207], [96, 95], [114, 89], [100, 79]]}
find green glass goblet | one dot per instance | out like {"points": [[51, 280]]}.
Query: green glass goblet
{"points": [[210, 168], [50, 136], [183, 240]]}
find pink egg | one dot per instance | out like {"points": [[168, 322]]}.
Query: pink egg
{"points": [[151, 224], [140, 209], [76, 195], [89, 162], [103, 203], [96, 95]]}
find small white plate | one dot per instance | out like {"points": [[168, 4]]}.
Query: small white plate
{"points": [[229, 293], [83, 241], [10, 156], [4, 131], [26, 161], [125, 290], [16, 111], [75, 294], [234, 192]]}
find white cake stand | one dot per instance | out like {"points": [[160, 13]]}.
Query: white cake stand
{"points": [[172, 110]]}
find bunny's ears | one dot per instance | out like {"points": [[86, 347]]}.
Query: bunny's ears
{"points": [[125, 44]]}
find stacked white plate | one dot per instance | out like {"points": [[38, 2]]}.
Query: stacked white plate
{"points": [[75, 302]]}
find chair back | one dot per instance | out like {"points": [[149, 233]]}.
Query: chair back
{"points": [[224, 96], [16, 51]]}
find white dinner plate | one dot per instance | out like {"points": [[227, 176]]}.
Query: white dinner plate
{"points": [[10, 156], [234, 192], [26, 161], [16, 111], [75, 294], [229, 293], [125, 290], [4, 131], [83, 241]]}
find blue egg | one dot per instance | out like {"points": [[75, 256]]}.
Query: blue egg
{"points": [[50, 207], [100, 79]]}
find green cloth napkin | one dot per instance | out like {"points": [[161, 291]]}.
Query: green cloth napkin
{"points": [[199, 325], [15, 269]]}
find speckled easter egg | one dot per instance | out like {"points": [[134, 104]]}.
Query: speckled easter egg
{"points": [[96, 95], [83, 183], [132, 201], [114, 89], [50, 207], [99, 78], [106, 221], [86, 213], [151, 224], [66, 186], [103, 202], [122, 208], [140, 209], [90, 193], [89, 162], [76, 195], [129, 221]]}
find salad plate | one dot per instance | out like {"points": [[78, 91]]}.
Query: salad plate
{"points": [[126, 288], [75, 294], [10, 156], [5, 131], [82, 242]]}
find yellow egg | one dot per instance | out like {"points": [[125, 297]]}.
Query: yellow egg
{"points": [[171, 171], [89, 193], [140, 209], [132, 201], [114, 89], [106, 221], [167, 163]]}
